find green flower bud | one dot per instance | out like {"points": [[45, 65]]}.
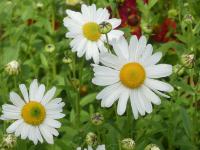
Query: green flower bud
{"points": [[152, 147], [73, 2], [97, 119], [105, 27], [178, 69], [172, 13], [128, 144], [91, 139], [66, 60], [13, 68], [188, 60], [9, 2], [186, 4], [50, 48], [188, 19], [146, 28], [39, 5]]}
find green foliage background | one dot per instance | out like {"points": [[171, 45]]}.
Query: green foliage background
{"points": [[173, 125]]}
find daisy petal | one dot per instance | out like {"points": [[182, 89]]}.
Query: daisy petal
{"points": [[89, 49], [25, 131], [14, 126], [33, 89], [19, 129], [16, 99], [95, 54], [52, 123], [158, 71], [121, 48], [155, 58], [158, 85], [123, 99], [24, 92], [114, 22], [105, 71], [11, 108], [147, 53], [112, 97], [40, 93], [104, 93], [140, 48], [48, 96], [111, 61], [102, 47], [114, 35], [81, 48], [38, 134], [46, 134], [102, 15], [75, 16], [133, 104], [132, 47], [103, 81], [72, 25], [151, 96], [161, 94], [85, 12]]}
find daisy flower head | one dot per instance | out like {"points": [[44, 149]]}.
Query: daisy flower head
{"points": [[132, 73], [99, 147], [35, 115], [84, 28]]}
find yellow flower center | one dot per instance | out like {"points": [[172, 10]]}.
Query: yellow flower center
{"points": [[132, 75], [33, 113], [91, 31]]}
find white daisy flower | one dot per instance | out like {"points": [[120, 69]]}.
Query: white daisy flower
{"points": [[84, 29], [99, 147], [132, 73], [35, 115]]}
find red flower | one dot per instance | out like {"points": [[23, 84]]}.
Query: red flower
{"points": [[133, 20], [165, 32], [129, 16], [126, 9], [146, 1], [136, 31]]}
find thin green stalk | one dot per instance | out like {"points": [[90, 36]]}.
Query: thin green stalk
{"points": [[107, 41], [78, 110], [78, 107]]}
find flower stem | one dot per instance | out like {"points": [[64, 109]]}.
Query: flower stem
{"points": [[107, 41]]}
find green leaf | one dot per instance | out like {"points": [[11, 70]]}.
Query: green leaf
{"points": [[88, 99], [152, 3], [186, 122], [44, 60]]}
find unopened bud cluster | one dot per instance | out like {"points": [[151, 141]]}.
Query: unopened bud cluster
{"points": [[8, 142], [13, 67], [91, 139], [97, 119], [128, 144], [188, 60], [152, 147]]}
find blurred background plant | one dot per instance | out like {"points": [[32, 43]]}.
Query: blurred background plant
{"points": [[33, 45]]}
